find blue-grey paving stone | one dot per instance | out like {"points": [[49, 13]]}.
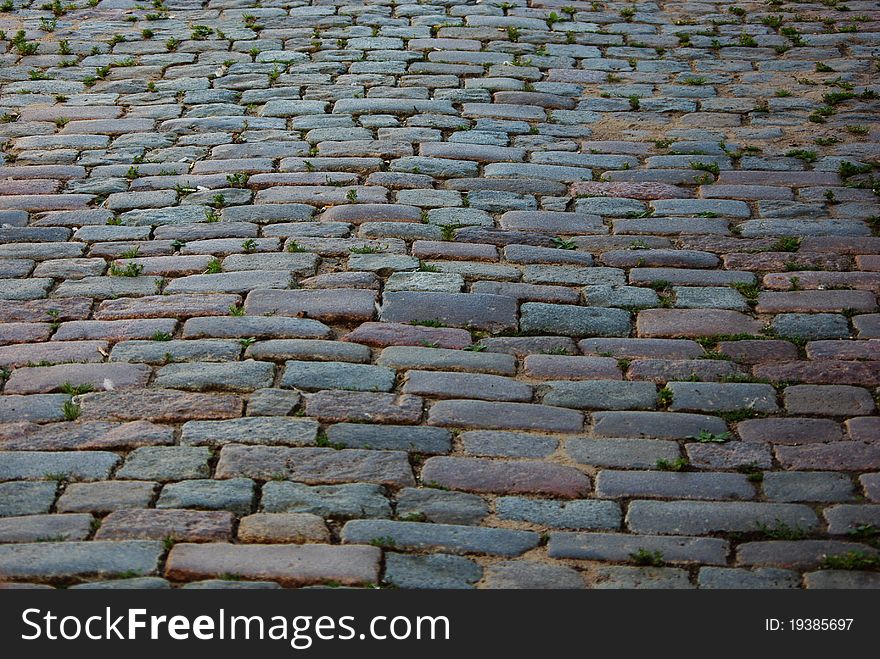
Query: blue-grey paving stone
{"points": [[440, 506], [538, 317], [337, 351], [26, 498], [730, 578], [279, 327], [618, 577], [221, 584], [723, 397], [620, 546], [332, 501], [404, 438], [847, 518], [601, 394], [605, 295], [134, 583], [250, 430], [224, 376], [666, 485], [444, 359], [40, 528], [235, 495], [105, 496], [498, 443], [443, 537], [43, 465], [533, 575], [842, 579], [626, 453], [166, 463], [431, 571], [807, 486], [60, 560], [811, 326], [577, 514], [703, 517], [658, 425], [272, 402], [709, 297], [480, 311], [38, 408], [337, 375]]}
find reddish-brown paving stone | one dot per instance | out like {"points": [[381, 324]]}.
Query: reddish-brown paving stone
{"points": [[159, 406], [83, 435], [95, 376], [167, 306], [382, 335], [789, 431], [283, 528], [180, 525], [815, 301], [864, 428], [758, 352], [826, 371], [673, 323], [838, 456]]}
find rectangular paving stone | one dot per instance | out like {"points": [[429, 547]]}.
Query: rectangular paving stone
{"points": [[250, 430], [222, 376], [660, 425], [436, 384], [362, 406], [44, 561], [506, 477], [620, 547], [315, 465], [442, 537], [181, 525], [406, 357], [159, 405], [337, 375], [703, 517], [46, 465], [541, 318], [105, 496], [600, 395], [289, 565], [494, 313], [339, 305], [26, 498], [504, 416], [666, 485]]}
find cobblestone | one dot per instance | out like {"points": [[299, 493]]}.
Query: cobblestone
{"points": [[274, 277]]}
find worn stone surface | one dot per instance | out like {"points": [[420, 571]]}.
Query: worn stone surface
{"points": [[445, 277]]}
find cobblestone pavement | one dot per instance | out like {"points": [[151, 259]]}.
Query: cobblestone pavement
{"points": [[439, 294]]}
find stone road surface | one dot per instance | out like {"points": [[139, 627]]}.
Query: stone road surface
{"points": [[439, 293]]}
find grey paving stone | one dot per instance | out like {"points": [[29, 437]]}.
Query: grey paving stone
{"points": [[26, 498], [235, 495], [62, 560], [621, 547], [431, 571], [577, 514], [402, 438], [350, 500], [443, 537], [531, 574]]}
